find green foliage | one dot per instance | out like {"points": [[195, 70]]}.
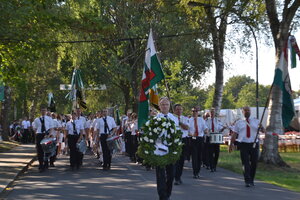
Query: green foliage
{"points": [[247, 95], [234, 85]]}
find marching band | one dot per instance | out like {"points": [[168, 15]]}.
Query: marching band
{"points": [[201, 137]]}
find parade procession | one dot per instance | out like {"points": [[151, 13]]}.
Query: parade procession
{"points": [[115, 100]]}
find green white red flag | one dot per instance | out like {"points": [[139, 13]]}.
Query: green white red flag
{"points": [[282, 80], [152, 74], [294, 51]]}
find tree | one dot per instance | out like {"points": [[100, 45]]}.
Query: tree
{"points": [[219, 14], [235, 84], [280, 29], [247, 97]]}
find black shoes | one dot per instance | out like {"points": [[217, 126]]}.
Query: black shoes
{"points": [[196, 176], [178, 182], [249, 184]]}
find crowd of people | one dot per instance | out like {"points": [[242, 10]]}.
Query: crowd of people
{"points": [[95, 129]]}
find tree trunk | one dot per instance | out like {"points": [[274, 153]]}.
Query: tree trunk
{"points": [[270, 154], [5, 113], [218, 34], [280, 32]]}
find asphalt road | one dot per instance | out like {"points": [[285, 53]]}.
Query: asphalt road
{"points": [[128, 181]]}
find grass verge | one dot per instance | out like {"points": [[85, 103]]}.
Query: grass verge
{"points": [[288, 178], [7, 145]]}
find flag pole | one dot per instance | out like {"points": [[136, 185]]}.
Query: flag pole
{"points": [[263, 114]]}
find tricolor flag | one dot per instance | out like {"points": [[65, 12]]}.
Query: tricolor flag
{"points": [[294, 50], [152, 74], [77, 90], [282, 80]]}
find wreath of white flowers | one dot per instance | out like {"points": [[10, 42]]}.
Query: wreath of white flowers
{"points": [[165, 131]]}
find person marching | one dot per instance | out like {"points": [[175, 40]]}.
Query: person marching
{"points": [[197, 130], [247, 130], [165, 175], [74, 129], [105, 126], [215, 126], [26, 126], [134, 140], [42, 126], [82, 120], [184, 127]]}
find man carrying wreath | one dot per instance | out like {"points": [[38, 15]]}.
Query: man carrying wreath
{"points": [[165, 175]]}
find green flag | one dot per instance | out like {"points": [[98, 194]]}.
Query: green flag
{"points": [[282, 80], [1, 92], [152, 74], [294, 51]]}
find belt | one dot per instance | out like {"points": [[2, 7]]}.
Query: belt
{"points": [[195, 137]]}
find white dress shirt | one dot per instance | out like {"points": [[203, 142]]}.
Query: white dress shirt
{"points": [[241, 129], [37, 124], [78, 125], [110, 123], [184, 120], [201, 126], [217, 125], [25, 124], [171, 117]]}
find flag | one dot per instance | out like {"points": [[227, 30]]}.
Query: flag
{"points": [[294, 50], [152, 74], [77, 90], [51, 102], [1, 91], [118, 122], [282, 80], [154, 97]]}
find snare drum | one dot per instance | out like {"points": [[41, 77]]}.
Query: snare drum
{"points": [[216, 138]]}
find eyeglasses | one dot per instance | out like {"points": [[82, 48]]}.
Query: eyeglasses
{"points": [[195, 111]]}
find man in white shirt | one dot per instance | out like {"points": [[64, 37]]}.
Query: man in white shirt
{"points": [[165, 175], [25, 127], [74, 129], [105, 127], [197, 130], [247, 130], [184, 127], [42, 127], [215, 126]]}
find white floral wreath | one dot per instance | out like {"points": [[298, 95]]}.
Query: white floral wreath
{"points": [[160, 144]]}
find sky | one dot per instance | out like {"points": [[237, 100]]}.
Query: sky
{"points": [[240, 65]]}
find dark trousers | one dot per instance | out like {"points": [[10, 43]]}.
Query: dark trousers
{"points": [[133, 147], [127, 142], [197, 148], [25, 138], [74, 153], [249, 157], [105, 151], [164, 181], [205, 152], [180, 163], [214, 151], [39, 150], [188, 149]]}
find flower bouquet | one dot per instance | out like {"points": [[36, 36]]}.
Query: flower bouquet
{"points": [[161, 143]]}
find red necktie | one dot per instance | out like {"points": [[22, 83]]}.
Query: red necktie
{"points": [[212, 125], [196, 126], [248, 128]]}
